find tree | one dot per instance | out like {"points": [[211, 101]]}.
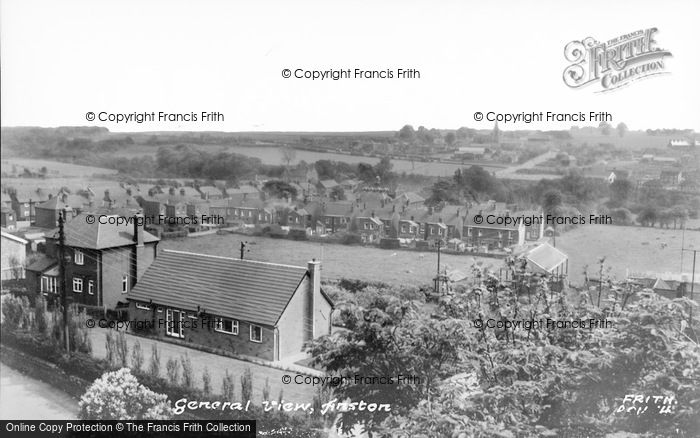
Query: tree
{"points": [[288, 154], [118, 395], [407, 133], [620, 191], [337, 193], [621, 129], [605, 128], [648, 216], [450, 138], [551, 202], [279, 189], [383, 169]]}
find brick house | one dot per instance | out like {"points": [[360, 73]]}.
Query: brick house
{"points": [[245, 307], [297, 218], [7, 218], [369, 227], [104, 261], [47, 212], [234, 211]]}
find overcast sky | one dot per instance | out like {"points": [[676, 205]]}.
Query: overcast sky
{"points": [[62, 59]]}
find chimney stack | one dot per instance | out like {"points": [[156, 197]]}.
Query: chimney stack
{"points": [[314, 326], [138, 229]]}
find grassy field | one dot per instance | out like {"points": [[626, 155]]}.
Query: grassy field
{"points": [[54, 168], [338, 261], [635, 249]]}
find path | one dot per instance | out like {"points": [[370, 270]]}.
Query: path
{"points": [[25, 398]]}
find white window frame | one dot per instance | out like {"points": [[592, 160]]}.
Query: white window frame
{"points": [[49, 284], [143, 306], [125, 283], [252, 326], [220, 326], [171, 330], [77, 285], [79, 257], [91, 287]]}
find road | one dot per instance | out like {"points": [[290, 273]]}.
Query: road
{"points": [[511, 172], [25, 398]]}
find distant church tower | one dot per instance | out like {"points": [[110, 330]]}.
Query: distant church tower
{"points": [[496, 134]]}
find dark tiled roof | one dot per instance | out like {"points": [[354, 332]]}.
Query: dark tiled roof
{"points": [[241, 289], [42, 264], [81, 234]]}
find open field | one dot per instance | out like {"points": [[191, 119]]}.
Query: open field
{"points": [[54, 168], [338, 261], [635, 249], [273, 155]]}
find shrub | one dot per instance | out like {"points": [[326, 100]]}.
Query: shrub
{"points": [[187, 372], [154, 368], [14, 312], [118, 395], [266, 389], [227, 387], [79, 335], [136, 357], [122, 350], [172, 370], [246, 385], [40, 324], [206, 382], [110, 348]]}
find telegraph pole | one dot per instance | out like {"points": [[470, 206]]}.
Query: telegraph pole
{"points": [[243, 246], [62, 276]]}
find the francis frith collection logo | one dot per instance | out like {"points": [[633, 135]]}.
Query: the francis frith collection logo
{"points": [[616, 62]]}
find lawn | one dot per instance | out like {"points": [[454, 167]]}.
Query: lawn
{"points": [[54, 168], [627, 249], [338, 261]]}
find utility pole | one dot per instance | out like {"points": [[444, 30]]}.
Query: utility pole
{"points": [[692, 277], [62, 275], [437, 277]]}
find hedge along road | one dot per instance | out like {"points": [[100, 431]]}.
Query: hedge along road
{"points": [[217, 366]]}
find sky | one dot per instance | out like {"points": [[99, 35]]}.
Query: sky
{"points": [[61, 60]]}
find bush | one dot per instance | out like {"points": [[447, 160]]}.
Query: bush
{"points": [[206, 382], [110, 348], [154, 368], [187, 372], [40, 324], [246, 385], [118, 395], [228, 387], [172, 370], [15, 313], [136, 357], [122, 350]]}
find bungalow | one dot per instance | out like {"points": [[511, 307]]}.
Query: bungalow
{"points": [[244, 307]]}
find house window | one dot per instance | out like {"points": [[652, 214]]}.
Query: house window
{"points": [[229, 326], [366, 226], [143, 306], [125, 283], [174, 326], [77, 285], [255, 333], [79, 258], [91, 287], [48, 284]]}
